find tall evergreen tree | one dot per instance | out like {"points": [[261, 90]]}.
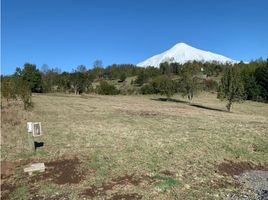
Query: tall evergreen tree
{"points": [[33, 76], [261, 75]]}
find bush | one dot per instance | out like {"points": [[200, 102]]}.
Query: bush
{"points": [[160, 84], [122, 77], [8, 88], [16, 87], [89, 89], [165, 85], [210, 85], [148, 89], [127, 90], [106, 89], [25, 94], [142, 78]]}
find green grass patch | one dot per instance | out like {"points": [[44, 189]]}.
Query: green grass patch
{"points": [[21, 193], [100, 164], [165, 182]]}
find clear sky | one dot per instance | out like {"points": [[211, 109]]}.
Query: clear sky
{"points": [[66, 33]]}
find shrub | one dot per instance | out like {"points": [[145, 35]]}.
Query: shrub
{"points": [[25, 94], [142, 78], [210, 85], [8, 88], [160, 84], [106, 89], [122, 77], [148, 89], [165, 85], [16, 87], [127, 90]]}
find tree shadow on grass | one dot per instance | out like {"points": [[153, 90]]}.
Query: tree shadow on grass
{"points": [[190, 104]]}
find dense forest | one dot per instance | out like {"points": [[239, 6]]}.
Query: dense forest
{"points": [[251, 80]]}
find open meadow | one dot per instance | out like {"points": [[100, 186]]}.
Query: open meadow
{"points": [[132, 147]]}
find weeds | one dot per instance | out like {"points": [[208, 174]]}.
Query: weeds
{"points": [[48, 190], [21, 193]]}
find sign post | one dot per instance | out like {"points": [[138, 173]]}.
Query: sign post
{"points": [[31, 142], [34, 130]]}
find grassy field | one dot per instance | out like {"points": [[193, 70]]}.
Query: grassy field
{"points": [[131, 147]]}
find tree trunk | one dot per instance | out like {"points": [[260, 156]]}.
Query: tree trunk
{"points": [[229, 105], [75, 90], [25, 105], [190, 97]]}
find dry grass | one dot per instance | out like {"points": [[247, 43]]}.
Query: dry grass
{"points": [[118, 135]]}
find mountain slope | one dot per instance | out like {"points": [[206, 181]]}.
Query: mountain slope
{"points": [[182, 53]]}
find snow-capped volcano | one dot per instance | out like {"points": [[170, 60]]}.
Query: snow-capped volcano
{"points": [[182, 53]]}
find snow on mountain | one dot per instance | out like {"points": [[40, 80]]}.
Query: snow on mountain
{"points": [[182, 53]]}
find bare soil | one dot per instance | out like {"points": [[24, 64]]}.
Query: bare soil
{"points": [[8, 168], [133, 196], [125, 180], [6, 189], [167, 173], [236, 168], [64, 171]]}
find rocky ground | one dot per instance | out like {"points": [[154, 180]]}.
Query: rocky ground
{"points": [[256, 184]]}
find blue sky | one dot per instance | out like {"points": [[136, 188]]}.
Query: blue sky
{"points": [[67, 33]]}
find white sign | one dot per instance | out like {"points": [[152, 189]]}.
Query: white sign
{"points": [[30, 127], [35, 167], [34, 128], [37, 131]]}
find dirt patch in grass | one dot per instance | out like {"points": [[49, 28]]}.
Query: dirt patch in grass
{"points": [[167, 173], [65, 171], [62, 171], [124, 180], [221, 183], [236, 168], [133, 196], [8, 168], [6, 189]]}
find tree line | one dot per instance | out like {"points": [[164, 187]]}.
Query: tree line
{"points": [[232, 82]]}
